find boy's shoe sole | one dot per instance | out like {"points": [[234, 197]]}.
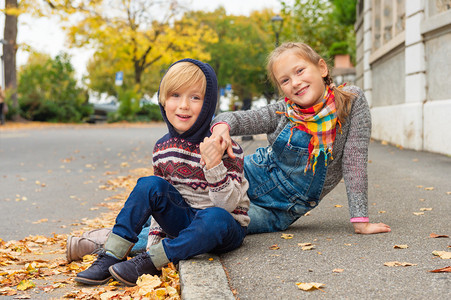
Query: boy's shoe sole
{"points": [[119, 278], [91, 281]]}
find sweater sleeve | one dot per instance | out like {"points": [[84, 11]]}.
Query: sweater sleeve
{"points": [[250, 122], [355, 158], [225, 180]]}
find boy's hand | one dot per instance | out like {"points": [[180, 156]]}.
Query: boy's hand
{"points": [[222, 130], [369, 228], [212, 150]]}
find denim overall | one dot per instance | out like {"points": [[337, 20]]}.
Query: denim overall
{"points": [[279, 190]]}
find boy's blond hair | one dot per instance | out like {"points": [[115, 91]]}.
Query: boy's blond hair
{"points": [[179, 76]]}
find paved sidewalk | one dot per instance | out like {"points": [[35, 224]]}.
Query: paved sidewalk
{"points": [[409, 190]]}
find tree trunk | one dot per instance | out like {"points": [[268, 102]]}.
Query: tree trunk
{"points": [[9, 53]]}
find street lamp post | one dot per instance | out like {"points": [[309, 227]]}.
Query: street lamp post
{"points": [[277, 23]]}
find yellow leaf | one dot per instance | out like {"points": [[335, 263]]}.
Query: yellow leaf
{"points": [[398, 264], [304, 244], [305, 248], [210, 259], [337, 270], [382, 211], [418, 213], [429, 188], [442, 254], [400, 246], [147, 281], [286, 236], [426, 209], [338, 205], [274, 247], [309, 286], [73, 266], [41, 221], [31, 268], [108, 295], [88, 258], [25, 285]]}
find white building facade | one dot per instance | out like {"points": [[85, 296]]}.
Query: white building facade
{"points": [[404, 67]]}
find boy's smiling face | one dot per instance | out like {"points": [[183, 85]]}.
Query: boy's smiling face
{"points": [[183, 106]]}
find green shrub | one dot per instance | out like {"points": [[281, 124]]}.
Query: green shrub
{"points": [[47, 91], [151, 112]]}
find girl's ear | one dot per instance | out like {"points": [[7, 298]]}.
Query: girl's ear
{"points": [[323, 68]]}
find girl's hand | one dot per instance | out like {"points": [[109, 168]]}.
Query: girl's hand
{"points": [[212, 150], [369, 228], [223, 131]]}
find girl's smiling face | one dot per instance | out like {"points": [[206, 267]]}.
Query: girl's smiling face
{"points": [[300, 80], [183, 106]]}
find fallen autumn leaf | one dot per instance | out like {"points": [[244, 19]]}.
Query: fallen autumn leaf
{"points": [[442, 270], [435, 236], [442, 254], [309, 286], [286, 236], [398, 264], [274, 247]]}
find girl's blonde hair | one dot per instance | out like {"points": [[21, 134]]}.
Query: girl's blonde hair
{"points": [[180, 76], [343, 100]]}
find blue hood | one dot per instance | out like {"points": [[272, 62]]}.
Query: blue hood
{"points": [[201, 128]]}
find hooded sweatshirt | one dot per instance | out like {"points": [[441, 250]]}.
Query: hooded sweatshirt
{"points": [[176, 158]]}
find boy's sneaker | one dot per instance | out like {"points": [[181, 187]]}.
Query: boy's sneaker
{"points": [[128, 271], [98, 272], [90, 242]]}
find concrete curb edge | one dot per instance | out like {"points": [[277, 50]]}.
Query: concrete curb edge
{"points": [[203, 277]]}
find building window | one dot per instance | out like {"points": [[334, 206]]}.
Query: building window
{"points": [[389, 19]]}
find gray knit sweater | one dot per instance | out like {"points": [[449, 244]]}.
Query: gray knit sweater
{"points": [[350, 152]]}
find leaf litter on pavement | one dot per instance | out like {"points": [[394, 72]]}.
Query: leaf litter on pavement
{"points": [[38, 263]]}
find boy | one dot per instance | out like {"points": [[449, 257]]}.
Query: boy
{"points": [[203, 207]]}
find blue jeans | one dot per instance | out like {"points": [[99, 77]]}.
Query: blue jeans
{"points": [[279, 189], [195, 231]]}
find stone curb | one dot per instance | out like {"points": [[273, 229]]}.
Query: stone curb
{"points": [[203, 278]]}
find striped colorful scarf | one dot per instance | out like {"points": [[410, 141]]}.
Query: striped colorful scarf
{"points": [[320, 121]]}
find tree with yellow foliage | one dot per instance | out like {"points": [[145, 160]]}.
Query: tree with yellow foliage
{"points": [[134, 35]]}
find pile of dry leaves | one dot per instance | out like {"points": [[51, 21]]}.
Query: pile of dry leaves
{"points": [[37, 264]]}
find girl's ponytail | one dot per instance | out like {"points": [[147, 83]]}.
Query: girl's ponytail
{"points": [[343, 99]]}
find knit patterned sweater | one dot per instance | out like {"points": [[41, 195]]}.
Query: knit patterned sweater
{"points": [[350, 150], [178, 162]]}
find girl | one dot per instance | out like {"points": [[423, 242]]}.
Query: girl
{"points": [[318, 134]]}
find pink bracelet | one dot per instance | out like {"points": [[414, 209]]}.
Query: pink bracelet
{"points": [[360, 220], [211, 129]]}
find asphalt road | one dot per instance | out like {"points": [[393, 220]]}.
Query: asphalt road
{"points": [[54, 173]]}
